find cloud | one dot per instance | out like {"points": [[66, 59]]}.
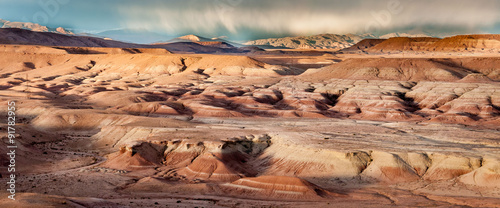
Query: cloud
{"points": [[304, 17]]}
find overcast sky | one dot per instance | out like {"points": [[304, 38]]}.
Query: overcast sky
{"points": [[249, 19]]}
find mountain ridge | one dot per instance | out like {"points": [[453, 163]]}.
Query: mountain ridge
{"points": [[33, 27], [28, 37]]}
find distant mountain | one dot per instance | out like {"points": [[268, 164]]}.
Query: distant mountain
{"points": [[28, 37], [205, 41], [330, 41], [368, 36], [134, 36], [190, 38], [408, 35], [323, 41], [33, 27]]}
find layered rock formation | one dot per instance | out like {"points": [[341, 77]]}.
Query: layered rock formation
{"points": [[277, 187]]}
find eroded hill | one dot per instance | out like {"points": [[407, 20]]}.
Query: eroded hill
{"points": [[144, 127]]}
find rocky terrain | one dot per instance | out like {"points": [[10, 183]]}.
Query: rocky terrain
{"points": [[323, 41], [168, 126], [326, 41]]}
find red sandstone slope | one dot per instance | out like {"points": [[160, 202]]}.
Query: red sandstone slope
{"points": [[216, 167], [136, 156], [467, 42], [403, 44], [276, 187]]}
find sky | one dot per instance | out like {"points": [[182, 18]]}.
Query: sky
{"points": [[254, 19]]}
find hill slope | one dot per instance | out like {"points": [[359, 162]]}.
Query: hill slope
{"points": [[414, 69], [460, 43], [26, 37]]}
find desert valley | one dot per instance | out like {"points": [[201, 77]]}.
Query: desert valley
{"points": [[396, 122]]}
